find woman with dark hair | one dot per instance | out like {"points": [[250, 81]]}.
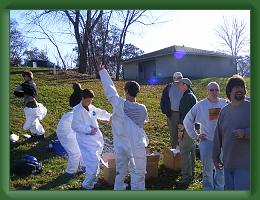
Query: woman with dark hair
{"points": [[89, 136], [75, 97]]}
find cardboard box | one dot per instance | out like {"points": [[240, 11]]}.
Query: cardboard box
{"points": [[108, 160], [152, 164], [171, 161]]}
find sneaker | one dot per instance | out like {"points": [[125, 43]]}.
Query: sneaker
{"points": [[38, 137], [69, 175]]}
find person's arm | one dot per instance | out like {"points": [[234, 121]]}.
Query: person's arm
{"points": [[217, 145], [165, 100], [108, 86], [102, 114], [189, 123], [147, 117], [18, 88]]}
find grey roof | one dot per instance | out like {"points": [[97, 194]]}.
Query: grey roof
{"points": [[176, 49]]}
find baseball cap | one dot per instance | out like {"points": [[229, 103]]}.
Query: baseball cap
{"points": [[177, 76], [186, 81]]}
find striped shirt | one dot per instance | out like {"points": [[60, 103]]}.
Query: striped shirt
{"points": [[136, 112]]}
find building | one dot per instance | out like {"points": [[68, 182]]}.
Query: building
{"points": [[193, 63]]}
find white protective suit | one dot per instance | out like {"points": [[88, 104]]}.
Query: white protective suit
{"points": [[129, 140], [67, 138], [91, 146], [33, 117]]}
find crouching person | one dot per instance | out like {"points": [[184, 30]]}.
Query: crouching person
{"points": [[89, 136], [67, 138], [34, 111]]}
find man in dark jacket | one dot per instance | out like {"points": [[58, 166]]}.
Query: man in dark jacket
{"points": [[170, 107], [187, 146]]}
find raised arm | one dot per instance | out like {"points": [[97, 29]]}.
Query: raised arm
{"points": [[108, 86]]}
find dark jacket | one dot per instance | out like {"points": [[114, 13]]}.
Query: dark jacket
{"points": [[165, 103], [29, 88], [188, 100]]}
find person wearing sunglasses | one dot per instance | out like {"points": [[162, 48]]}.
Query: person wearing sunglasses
{"points": [[206, 112]]}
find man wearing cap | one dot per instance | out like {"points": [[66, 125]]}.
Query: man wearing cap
{"points": [[187, 146], [170, 107]]}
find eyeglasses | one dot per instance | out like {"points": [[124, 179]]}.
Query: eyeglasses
{"points": [[214, 90]]}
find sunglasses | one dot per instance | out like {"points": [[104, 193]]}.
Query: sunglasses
{"points": [[214, 90]]}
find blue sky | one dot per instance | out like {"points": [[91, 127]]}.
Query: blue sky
{"points": [[192, 28]]}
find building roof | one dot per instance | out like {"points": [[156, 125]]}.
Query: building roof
{"points": [[177, 51]]}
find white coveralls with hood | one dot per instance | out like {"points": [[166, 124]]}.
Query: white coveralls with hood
{"points": [[67, 138], [129, 140], [91, 146]]}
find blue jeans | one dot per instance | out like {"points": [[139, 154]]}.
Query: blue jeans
{"points": [[237, 179], [213, 179]]}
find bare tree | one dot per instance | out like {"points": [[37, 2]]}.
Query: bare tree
{"points": [[233, 36], [83, 27], [17, 44], [127, 17], [36, 19]]}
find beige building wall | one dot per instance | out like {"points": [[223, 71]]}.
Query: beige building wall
{"points": [[131, 71], [190, 66], [195, 66]]}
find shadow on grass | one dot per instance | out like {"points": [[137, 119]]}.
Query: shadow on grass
{"points": [[60, 180]]}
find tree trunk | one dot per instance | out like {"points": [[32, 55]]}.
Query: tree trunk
{"points": [[83, 64]]}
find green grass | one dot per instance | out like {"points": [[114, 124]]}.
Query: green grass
{"points": [[20, 69], [54, 92]]}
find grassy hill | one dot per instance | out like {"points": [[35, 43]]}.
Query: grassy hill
{"points": [[54, 92]]}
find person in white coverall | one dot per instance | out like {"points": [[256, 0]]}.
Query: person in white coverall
{"points": [[206, 113], [32, 119], [34, 111], [67, 138], [89, 136], [129, 138]]}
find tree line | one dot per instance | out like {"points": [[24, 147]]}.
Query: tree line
{"points": [[100, 36]]}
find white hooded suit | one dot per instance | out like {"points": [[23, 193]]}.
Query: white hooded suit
{"points": [[129, 140], [91, 146], [67, 138]]}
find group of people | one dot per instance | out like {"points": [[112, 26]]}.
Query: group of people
{"points": [[223, 135], [80, 135]]}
